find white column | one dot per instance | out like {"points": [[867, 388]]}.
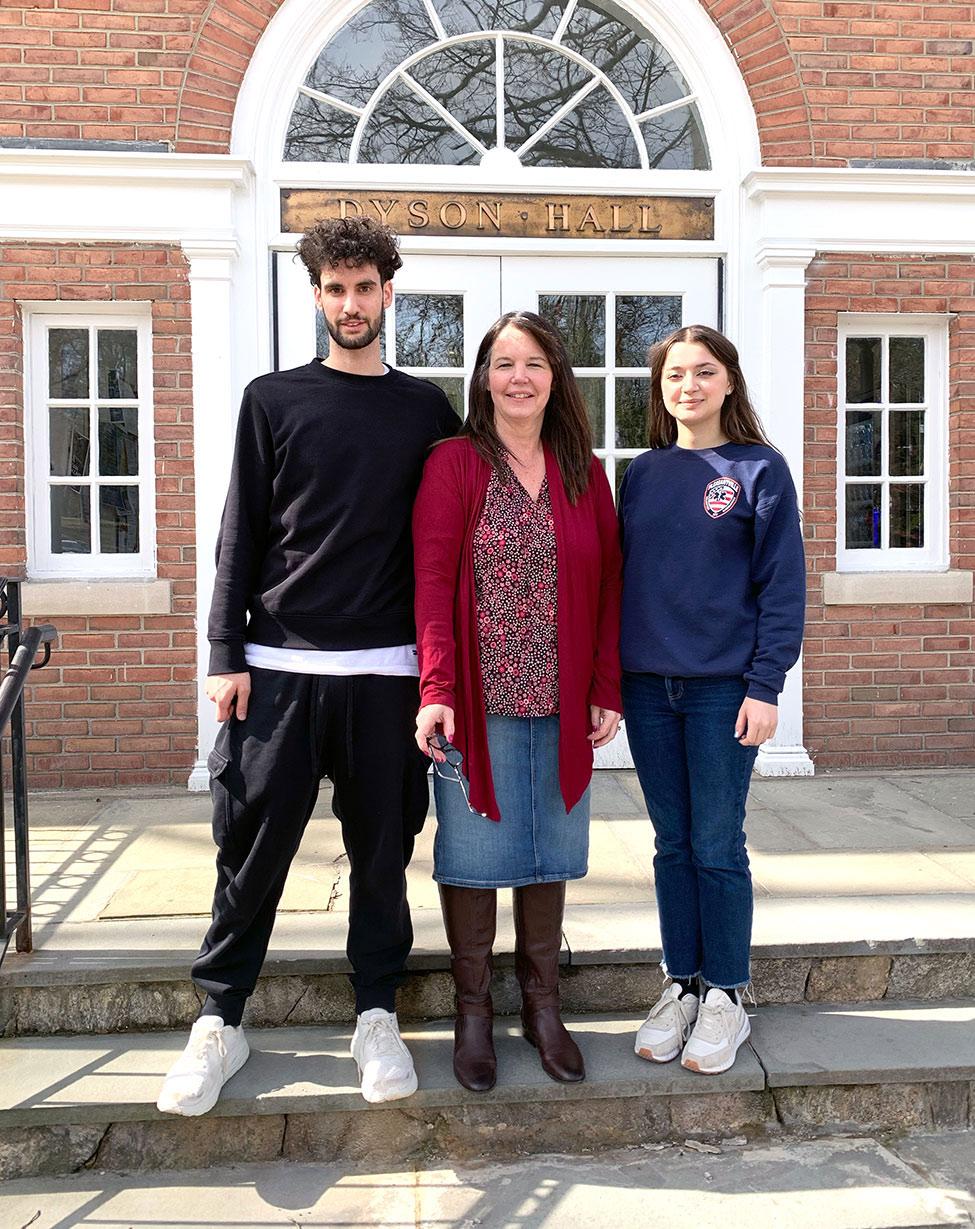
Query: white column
{"points": [[783, 273], [211, 269]]}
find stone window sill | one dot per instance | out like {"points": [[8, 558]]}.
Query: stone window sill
{"points": [[45, 599], [893, 588]]}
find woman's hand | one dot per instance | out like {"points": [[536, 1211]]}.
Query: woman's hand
{"points": [[605, 724], [756, 722], [428, 719]]}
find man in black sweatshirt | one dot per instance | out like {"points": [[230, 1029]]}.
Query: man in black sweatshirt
{"points": [[313, 663]]}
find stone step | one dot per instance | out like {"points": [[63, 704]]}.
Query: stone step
{"points": [[122, 976], [69, 1103]]}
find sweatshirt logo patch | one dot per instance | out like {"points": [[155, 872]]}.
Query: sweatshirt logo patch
{"points": [[720, 496]]}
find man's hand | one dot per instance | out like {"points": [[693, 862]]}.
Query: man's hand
{"points": [[223, 689], [605, 724], [756, 722], [427, 720]]}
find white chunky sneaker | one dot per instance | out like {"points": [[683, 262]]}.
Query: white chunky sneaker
{"points": [[663, 1033], [213, 1054], [385, 1064], [720, 1029]]}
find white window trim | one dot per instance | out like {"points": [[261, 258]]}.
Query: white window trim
{"points": [[42, 562], [933, 556]]}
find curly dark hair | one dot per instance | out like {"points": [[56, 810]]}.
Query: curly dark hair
{"points": [[349, 241]]}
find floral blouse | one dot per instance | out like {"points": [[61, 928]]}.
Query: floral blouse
{"points": [[515, 576]]}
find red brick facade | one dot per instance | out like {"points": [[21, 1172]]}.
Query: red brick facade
{"points": [[888, 686], [831, 80], [117, 704]]}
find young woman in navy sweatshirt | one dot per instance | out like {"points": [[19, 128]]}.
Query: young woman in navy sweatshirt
{"points": [[713, 605]]}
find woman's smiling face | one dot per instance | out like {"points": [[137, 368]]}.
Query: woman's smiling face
{"points": [[519, 378], [694, 386]]}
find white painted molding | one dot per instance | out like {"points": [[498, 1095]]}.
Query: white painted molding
{"points": [[50, 598], [895, 588], [199, 780], [767, 182], [92, 166], [784, 762]]}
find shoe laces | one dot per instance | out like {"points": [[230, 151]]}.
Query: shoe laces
{"points": [[201, 1041], [381, 1038], [714, 1019]]}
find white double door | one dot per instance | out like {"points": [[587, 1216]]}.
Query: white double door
{"points": [[610, 310]]}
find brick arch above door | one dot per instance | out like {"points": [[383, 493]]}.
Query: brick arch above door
{"points": [[231, 29]]}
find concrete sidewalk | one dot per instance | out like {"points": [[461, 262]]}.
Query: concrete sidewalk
{"points": [[843, 858]]}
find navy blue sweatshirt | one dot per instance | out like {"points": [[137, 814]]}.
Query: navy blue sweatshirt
{"points": [[315, 549], [714, 579]]}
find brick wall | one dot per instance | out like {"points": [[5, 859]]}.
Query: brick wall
{"points": [[831, 80], [888, 686], [117, 704]]}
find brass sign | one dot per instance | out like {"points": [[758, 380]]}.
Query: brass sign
{"points": [[521, 216]]}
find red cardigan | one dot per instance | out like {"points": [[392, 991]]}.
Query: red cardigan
{"points": [[445, 516]]}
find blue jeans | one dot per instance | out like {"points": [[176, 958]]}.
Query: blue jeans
{"points": [[694, 774]]}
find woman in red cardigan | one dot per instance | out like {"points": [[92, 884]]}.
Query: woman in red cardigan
{"points": [[517, 613]]}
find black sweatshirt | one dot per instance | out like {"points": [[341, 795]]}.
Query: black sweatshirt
{"points": [[314, 550]]}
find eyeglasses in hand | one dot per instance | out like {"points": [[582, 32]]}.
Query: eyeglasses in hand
{"points": [[448, 769]]}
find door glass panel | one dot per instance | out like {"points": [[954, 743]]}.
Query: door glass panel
{"points": [[863, 515], [70, 520], [118, 441], [68, 362], [404, 129], [581, 321], [453, 386], [463, 79], [863, 369], [595, 134], [430, 330], [907, 515], [632, 399], [906, 369], [318, 132], [118, 363], [70, 442], [863, 442], [906, 443], [641, 320], [622, 463], [594, 395], [119, 519]]}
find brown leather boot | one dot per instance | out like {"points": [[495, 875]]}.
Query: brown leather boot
{"points": [[538, 941], [470, 919]]}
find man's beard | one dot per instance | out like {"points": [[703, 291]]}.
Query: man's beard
{"points": [[360, 340]]}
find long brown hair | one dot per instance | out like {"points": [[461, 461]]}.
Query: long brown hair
{"points": [[565, 426], [739, 421]]}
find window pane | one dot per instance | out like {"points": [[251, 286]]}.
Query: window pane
{"points": [[118, 441], [906, 369], [537, 16], [675, 141], [119, 520], [463, 79], [906, 430], [595, 134], [118, 363], [404, 129], [70, 520], [67, 353], [430, 330], [318, 132], [621, 466], [862, 369], [632, 400], [369, 46], [594, 395], [907, 515], [70, 442], [581, 319], [641, 320], [863, 442], [863, 515], [537, 82], [453, 386]]}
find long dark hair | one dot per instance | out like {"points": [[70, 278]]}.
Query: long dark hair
{"points": [[739, 421], [565, 426]]}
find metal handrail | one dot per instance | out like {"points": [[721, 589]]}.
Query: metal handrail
{"points": [[22, 647]]}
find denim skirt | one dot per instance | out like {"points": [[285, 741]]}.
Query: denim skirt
{"points": [[536, 840]]}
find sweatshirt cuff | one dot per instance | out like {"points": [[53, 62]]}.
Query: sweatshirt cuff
{"points": [[758, 691], [227, 657]]}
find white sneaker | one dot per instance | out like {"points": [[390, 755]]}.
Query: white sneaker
{"points": [[213, 1054], [385, 1065], [720, 1029], [663, 1033]]}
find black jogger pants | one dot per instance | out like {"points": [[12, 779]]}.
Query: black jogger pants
{"points": [[264, 780]]}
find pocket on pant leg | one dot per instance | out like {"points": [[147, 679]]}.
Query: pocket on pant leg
{"points": [[217, 764]]}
